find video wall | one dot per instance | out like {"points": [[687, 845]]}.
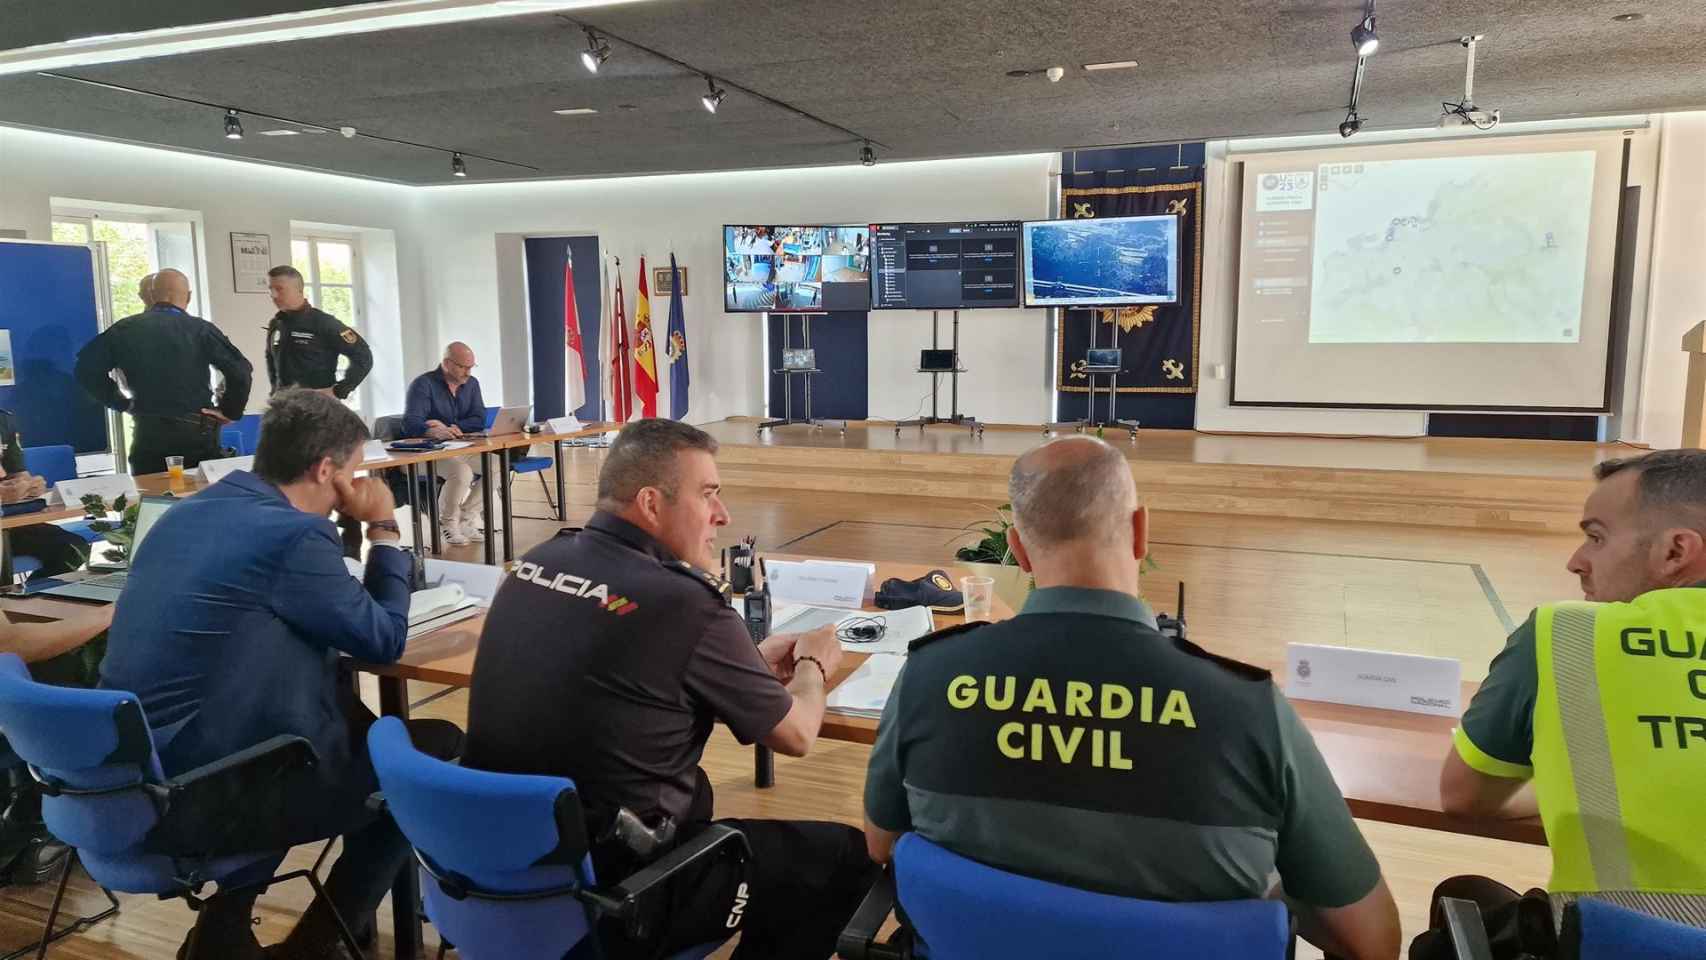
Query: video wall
{"points": [[965, 265]]}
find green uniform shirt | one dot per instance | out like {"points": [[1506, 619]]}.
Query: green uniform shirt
{"points": [[1075, 743], [1496, 734]]}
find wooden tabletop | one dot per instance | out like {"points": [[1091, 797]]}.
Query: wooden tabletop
{"points": [[1386, 762]]}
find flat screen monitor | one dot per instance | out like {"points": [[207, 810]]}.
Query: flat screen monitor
{"points": [[1105, 262], [945, 266], [937, 361], [796, 269]]}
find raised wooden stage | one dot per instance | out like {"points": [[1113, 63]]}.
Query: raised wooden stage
{"points": [[1526, 485]]}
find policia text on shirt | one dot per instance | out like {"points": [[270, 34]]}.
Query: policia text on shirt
{"points": [[1066, 743]]}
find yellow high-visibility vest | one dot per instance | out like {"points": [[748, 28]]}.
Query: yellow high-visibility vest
{"points": [[1620, 742]]}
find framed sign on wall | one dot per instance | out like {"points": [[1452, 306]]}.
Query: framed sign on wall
{"points": [[251, 258]]}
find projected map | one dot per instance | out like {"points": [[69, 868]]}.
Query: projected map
{"points": [[1114, 261], [1451, 249]]}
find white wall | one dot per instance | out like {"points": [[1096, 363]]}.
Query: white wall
{"points": [[231, 196], [1676, 288], [653, 215]]}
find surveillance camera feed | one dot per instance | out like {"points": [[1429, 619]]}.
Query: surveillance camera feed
{"points": [[796, 269], [1103, 262]]}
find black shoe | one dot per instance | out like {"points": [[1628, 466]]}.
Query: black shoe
{"points": [[40, 862], [933, 590]]}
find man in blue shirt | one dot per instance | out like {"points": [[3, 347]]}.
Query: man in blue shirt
{"points": [[230, 630], [445, 404]]}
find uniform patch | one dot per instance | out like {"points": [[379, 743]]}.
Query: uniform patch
{"points": [[717, 585], [349, 336], [941, 581]]}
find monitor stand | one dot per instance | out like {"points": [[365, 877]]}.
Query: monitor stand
{"points": [[1112, 375], [954, 416], [788, 375]]}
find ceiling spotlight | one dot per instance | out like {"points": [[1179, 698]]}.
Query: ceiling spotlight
{"points": [[597, 51], [714, 98], [1362, 36], [1628, 17], [867, 156], [458, 168], [233, 125], [1351, 124]]}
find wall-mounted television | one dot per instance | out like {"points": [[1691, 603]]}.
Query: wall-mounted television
{"points": [[796, 269], [1103, 262]]}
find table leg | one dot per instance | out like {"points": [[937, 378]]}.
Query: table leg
{"points": [[405, 890], [509, 510], [764, 767], [562, 485], [415, 509], [432, 507], [486, 506]]}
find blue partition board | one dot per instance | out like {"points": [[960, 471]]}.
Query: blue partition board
{"points": [[47, 305]]}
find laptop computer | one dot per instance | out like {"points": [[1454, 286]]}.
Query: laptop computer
{"points": [[936, 361], [107, 587], [1102, 358], [509, 420]]}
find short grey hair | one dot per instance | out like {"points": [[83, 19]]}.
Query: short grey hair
{"points": [[1075, 489], [644, 455], [1673, 481]]}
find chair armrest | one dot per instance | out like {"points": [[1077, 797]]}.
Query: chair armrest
{"points": [[622, 901], [208, 810], [859, 940], [1468, 933]]}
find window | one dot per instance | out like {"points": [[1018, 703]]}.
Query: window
{"points": [[129, 255], [328, 268]]}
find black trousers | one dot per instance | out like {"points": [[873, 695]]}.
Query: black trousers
{"points": [[195, 439], [1518, 925], [790, 899]]}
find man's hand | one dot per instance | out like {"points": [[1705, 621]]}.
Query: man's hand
{"points": [[366, 499], [20, 487], [822, 645], [778, 653], [215, 416], [439, 433]]}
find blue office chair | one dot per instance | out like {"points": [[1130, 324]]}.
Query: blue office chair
{"points": [[231, 438], [134, 829], [503, 857], [959, 909], [534, 465]]}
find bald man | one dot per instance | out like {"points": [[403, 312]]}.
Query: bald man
{"points": [[145, 290], [444, 403], [163, 356], [1077, 744]]}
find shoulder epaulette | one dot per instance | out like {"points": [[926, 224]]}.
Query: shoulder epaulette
{"points": [[945, 632], [1246, 670], [719, 587], [568, 531]]}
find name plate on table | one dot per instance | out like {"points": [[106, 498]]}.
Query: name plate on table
{"points": [[110, 488], [213, 471], [820, 583], [1370, 678], [564, 424]]}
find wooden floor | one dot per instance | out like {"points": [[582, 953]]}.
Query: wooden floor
{"points": [[1255, 584]]}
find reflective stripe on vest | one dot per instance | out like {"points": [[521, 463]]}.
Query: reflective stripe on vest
{"points": [[1620, 741]]}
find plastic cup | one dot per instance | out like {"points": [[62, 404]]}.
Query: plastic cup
{"points": [[175, 471], [979, 593]]}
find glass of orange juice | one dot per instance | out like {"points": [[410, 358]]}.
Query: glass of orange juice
{"points": [[175, 472]]}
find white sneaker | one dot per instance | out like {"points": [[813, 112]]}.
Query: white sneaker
{"points": [[473, 531], [452, 535]]}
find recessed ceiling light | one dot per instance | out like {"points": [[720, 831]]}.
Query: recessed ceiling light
{"points": [[575, 111], [1112, 65], [1628, 17], [281, 133]]}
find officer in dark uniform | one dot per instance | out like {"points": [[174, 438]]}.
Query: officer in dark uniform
{"points": [[1077, 744], [304, 343], [607, 657], [164, 354], [57, 550]]}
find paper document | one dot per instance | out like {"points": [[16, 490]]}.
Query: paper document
{"points": [[867, 689], [431, 602], [478, 581], [458, 444], [901, 626], [374, 450]]}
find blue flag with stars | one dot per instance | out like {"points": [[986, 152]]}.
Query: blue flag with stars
{"points": [[676, 349]]}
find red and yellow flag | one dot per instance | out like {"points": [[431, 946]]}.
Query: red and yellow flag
{"points": [[645, 356]]}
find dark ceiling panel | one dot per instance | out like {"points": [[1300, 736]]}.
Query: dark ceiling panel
{"points": [[31, 23], [924, 80]]}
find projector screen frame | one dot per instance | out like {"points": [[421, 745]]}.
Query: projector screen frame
{"points": [[1617, 292]]}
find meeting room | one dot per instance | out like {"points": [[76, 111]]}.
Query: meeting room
{"points": [[494, 480]]}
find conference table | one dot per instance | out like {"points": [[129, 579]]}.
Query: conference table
{"points": [[1386, 762]]}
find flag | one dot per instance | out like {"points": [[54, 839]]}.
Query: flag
{"points": [[676, 349], [645, 357], [574, 361], [621, 387]]}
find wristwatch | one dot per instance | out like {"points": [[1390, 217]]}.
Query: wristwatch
{"points": [[390, 525]]}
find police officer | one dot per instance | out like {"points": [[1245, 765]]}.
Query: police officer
{"points": [[304, 343], [606, 658], [57, 550], [1586, 716], [1077, 744], [164, 354]]}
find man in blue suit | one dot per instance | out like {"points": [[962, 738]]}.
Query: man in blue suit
{"points": [[230, 631]]}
